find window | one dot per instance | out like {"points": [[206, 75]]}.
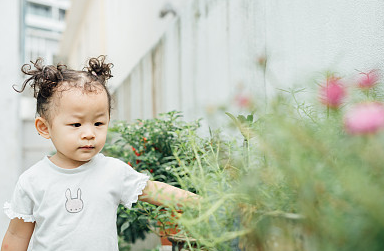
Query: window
{"points": [[39, 10], [61, 14]]}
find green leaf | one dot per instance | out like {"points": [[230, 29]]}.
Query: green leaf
{"points": [[124, 226]]}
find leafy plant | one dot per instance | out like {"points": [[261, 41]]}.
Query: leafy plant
{"points": [[312, 178], [148, 146]]}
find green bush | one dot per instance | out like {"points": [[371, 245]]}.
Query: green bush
{"points": [[149, 146]]}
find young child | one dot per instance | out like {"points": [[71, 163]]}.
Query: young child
{"points": [[69, 200]]}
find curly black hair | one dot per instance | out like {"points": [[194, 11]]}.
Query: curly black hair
{"points": [[46, 79]]}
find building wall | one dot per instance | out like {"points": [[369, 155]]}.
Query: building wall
{"points": [[124, 30], [305, 37], [213, 49], [10, 126], [44, 23]]}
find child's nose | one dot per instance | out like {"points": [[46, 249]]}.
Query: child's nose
{"points": [[87, 133]]}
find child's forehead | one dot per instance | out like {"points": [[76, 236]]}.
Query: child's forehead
{"points": [[78, 91], [81, 86], [78, 98]]}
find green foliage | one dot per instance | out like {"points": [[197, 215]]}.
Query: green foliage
{"points": [[300, 183], [294, 180], [317, 180], [148, 146]]}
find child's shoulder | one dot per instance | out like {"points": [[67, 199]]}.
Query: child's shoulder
{"points": [[117, 165], [31, 173], [114, 162]]}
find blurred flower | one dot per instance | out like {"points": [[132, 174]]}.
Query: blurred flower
{"points": [[243, 101], [151, 170], [368, 80], [365, 118], [211, 109], [332, 93]]}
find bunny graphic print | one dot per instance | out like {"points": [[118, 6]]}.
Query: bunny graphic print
{"points": [[73, 205]]}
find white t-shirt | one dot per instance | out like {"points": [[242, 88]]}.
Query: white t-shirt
{"points": [[75, 209]]}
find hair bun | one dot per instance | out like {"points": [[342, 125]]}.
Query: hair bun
{"points": [[98, 68], [43, 79]]}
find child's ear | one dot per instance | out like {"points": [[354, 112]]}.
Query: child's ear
{"points": [[41, 125]]}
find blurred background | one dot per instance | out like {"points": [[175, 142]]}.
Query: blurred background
{"points": [[195, 56]]}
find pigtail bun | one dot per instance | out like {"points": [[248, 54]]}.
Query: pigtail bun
{"points": [[99, 69], [46, 80], [43, 79]]}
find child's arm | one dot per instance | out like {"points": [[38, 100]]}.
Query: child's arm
{"points": [[18, 235], [159, 193]]}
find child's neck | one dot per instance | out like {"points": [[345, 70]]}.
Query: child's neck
{"points": [[66, 163]]}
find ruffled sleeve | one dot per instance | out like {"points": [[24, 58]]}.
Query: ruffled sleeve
{"points": [[133, 186], [21, 205]]}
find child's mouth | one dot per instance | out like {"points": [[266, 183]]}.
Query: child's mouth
{"points": [[87, 147]]}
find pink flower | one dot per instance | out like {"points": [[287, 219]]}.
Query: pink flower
{"points": [[332, 93], [364, 118], [243, 100], [368, 80]]}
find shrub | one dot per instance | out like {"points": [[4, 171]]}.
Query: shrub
{"points": [[148, 146]]}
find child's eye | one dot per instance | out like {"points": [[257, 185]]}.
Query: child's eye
{"points": [[76, 124], [98, 123]]}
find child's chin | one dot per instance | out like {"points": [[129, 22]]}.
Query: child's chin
{"points": [[85, 159]]}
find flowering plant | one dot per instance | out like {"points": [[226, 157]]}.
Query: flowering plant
{"points": [[309, 177]]}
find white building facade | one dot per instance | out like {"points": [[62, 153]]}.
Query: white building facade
{"points": [[44, 21]]}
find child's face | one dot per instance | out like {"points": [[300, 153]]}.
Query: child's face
{"points": [[78, 127]]}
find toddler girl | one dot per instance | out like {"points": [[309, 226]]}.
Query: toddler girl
{"points": [[69, 200]]}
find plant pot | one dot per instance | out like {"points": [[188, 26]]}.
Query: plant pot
{"points": [[179, 241], [164, 234], [167, 229]]}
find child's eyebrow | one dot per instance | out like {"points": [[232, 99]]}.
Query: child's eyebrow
{"points": [[100, 114], [78, 116]]}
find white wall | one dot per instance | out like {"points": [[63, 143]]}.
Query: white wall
{"points": [[212, 48], [123, 29], [305, 37], [133, 28], [202, 57], [10, 126]]}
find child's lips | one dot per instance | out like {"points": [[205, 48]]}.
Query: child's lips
{"points": [[87, 147]]}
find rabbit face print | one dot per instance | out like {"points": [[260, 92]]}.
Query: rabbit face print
{"points": [[73, 205]]}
